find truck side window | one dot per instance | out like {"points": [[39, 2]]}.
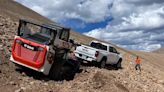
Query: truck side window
{"points": [[110, 49], [114, 50]]}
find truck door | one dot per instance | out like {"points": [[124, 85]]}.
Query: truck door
{"points": [[116, 57], [112, 55]]}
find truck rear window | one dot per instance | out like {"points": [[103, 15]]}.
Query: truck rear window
{"points": [[98, 46]]}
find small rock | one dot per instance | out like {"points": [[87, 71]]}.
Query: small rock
{"points": [[161, 81], [125, 82], [19, 90], [31, 83], [1, 24], [23, 73], [46, 84], [50, 91], [12, 83], [22, 89]]}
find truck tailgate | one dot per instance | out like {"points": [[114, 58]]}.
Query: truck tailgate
{"points": [[86, 50]]}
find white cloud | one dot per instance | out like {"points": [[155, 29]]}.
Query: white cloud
{"points": [[40, 10], [142, 47], [144, 20], [137, 24], [85, 10], [152, 47], [136, 27]]}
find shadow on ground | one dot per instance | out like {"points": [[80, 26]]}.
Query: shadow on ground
{"points": [[31, 73], [108, 67], [37, 75]]}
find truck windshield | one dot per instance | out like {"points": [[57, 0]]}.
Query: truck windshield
{"points": [[35, 32], [98, 46]]}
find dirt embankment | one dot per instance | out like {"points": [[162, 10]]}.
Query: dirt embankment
{"points": [[160, 51], [91, 79]]}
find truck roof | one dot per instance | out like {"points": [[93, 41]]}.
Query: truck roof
{"points": [[49, 26], [102, 43], [56, 26]]}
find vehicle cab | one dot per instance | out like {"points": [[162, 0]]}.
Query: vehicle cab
{"points": [[34, 45]]}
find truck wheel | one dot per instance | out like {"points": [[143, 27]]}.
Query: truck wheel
{"points": [[68, 73], [67, 70], [119, 64], [102, 64], [70, 69], [56, 71]]}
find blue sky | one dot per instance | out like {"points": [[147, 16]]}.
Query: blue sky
{"points": [[132, 24], [81, 26]]}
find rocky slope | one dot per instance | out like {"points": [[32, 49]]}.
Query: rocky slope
{"points": [[16, 11], [160, 51], [91, 79]]}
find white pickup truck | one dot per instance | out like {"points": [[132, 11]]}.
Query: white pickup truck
{"points": [[99, 52]]}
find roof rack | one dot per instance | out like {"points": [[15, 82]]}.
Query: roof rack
{"points": [[50, 26], [55, 26]]}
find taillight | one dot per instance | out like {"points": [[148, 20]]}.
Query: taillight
{"points": [[97, 53]]}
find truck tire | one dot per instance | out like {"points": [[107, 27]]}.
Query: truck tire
{"points": [[102, 63], [67, 73], [118, 65], [71, 68], [64, 69], [56, 71]]}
